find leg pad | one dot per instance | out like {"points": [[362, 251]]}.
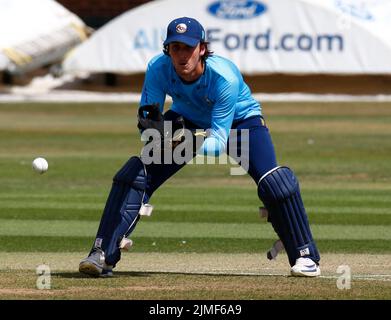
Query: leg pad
{"points": [[279, 191], [121, 212]]}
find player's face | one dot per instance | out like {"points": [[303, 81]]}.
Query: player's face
{"points": [[187, 60]]}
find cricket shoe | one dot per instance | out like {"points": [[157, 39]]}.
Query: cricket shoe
{"points": [[94, 265], [305, 267]]}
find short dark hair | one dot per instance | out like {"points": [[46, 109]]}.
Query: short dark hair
{"points": [[207, 54]]}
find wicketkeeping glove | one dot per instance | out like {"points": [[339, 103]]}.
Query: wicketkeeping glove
{"points": [[150, 117]]}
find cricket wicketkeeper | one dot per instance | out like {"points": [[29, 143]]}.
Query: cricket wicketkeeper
{"points": [[208, 94]]}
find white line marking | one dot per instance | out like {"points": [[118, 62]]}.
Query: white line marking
{"points": [[53, 96]]}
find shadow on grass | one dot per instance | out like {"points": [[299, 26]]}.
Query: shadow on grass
{"points": [[133, 274]]}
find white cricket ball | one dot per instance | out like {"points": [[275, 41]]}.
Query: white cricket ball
{"points": [[40, 165]]}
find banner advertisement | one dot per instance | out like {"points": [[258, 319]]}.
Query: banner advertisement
{"points": [[261, 37]]}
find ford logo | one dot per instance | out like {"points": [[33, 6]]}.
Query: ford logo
{"points": [[236, 9]]}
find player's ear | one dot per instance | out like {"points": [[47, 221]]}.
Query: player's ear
{"points": [[202, 49]]}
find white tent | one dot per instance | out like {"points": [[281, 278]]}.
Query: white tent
{"points": [[34, 33], [266, 36]]}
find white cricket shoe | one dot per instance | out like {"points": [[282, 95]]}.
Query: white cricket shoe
{"points": [[94, 265], [305, 267]]}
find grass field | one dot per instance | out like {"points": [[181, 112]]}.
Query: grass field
{"points": [[205, 239]]}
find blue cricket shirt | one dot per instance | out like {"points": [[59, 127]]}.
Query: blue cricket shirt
{"points": [[214, 101]]}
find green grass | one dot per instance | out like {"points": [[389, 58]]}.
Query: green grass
{"points": [[185, 245], [340, 152], [341, 158]]}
